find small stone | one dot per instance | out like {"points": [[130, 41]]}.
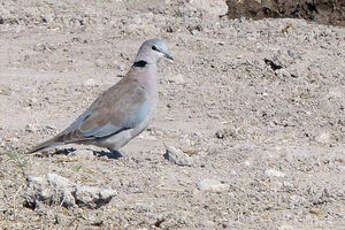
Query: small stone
{"points": [[50, 127], [147, 136], [32, 101], [30, 128], [247, 163], [227, 133], [274, 173], [93, 197], [297, 200], [220, 134], [287, 184], [131, 28], [40, 47], [190, 150], [177, 156], [318, 212], [170, 29], [5, 91], [86, 154], [336, 92], [286, 227], [293, 54], [296, 71], [282, 73], [210, 185], [90, 82], [176, 79], [213, 150], [209, 224], [324, 138]]}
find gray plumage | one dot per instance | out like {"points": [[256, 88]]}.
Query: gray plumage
{"points": [[123, 111]]}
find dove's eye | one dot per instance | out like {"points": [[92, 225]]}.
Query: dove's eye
{"points": [[154, 48]]}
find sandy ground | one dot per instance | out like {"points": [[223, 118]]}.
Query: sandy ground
{"points": [[257, 106]]}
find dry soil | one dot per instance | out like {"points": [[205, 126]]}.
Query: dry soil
{"points": [[258, 107]]}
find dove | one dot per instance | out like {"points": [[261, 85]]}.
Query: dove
{"points": [[123, 111]]}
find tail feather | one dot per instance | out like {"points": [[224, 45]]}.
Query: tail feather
{"points": [[55, 141], [61, 139]]}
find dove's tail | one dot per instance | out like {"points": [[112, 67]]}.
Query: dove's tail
{"points": [[63, 138], [55, 141]]}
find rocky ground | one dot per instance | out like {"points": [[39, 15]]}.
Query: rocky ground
{"points": [[249, 133], [330, 12]]}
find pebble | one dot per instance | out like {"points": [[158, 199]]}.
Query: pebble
{"points": [[274, 173], [31, 128], [177, 156], [336, 92], [282, 73], [286, 227], [147, 136], [86, 154], [324, 138], [177, 79], [211, 185], [247, 163], [93, 197], [90, 82]]}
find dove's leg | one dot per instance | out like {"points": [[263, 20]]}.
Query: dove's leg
{"points": [[115, 154], [112, 154]]}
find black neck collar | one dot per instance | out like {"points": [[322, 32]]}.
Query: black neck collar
{"points": [[140, 64]]}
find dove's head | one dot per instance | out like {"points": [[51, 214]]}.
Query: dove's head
{"points": [[151, 51]]}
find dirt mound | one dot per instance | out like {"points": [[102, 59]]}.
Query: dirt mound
{"points": [[321, 11]]}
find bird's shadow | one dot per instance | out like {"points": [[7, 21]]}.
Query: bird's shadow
{"points": [[110, 155], [64, 151], [45, 154]]}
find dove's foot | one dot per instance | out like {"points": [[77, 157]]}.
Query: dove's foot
{"points": [[115, 154], [112, 154]]}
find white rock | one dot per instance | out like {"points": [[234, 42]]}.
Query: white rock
{"points": [[286, 227], [90, 82], [324, 138], [93, 197], [55, 190], [177, 79], [336, 92], [282, 73], [210, 185], [86, 154], [147, 136], [177, 156], [51, 189], [31, 128], [274, 173], [247, 163]]}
